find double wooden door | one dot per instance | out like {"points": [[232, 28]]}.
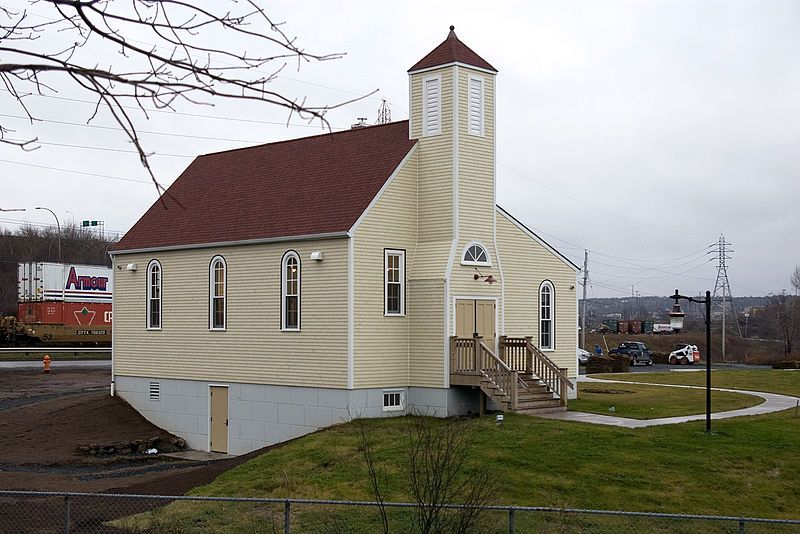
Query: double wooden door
{"points": [[476, 316]]}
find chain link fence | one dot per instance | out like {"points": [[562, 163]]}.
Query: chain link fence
{"points": [[44, 512]]}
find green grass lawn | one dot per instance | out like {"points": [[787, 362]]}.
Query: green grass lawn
{"points": [[786, 382], [747, 467], [651, 402]]}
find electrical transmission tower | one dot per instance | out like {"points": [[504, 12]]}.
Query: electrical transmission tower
{"points": [[384, 113], [722, 288]]}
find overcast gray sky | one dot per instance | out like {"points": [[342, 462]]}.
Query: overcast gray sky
{"points": [[638, 130]]}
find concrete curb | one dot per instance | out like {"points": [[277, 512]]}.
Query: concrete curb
{"points": [[773, 402]]}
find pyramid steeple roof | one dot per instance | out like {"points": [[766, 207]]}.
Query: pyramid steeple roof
{"points": [[452, 50]]}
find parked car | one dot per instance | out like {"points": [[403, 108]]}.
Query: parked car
{"points": [[684, 354], [636, 351], [583, 356]]}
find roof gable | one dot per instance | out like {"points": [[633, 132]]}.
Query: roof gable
{"points": [[452, 50], [513, 220], [308, 186]]}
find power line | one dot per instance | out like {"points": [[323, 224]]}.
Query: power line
{"points": [[654, 269], [643, 268], [653, 261], [119, 129], [104, 176], [608, 255], [20, 222], [105, 149], [611, 214], [184, 114]]}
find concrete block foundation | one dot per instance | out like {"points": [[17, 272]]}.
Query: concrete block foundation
{"points": [[260, 414]]}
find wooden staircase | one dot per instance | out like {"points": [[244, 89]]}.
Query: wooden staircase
{"points": [[521, 379]]}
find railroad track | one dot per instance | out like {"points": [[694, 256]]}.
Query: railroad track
{"points": [[53, 350]]}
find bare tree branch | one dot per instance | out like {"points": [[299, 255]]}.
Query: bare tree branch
{"points": [[170, 52]]}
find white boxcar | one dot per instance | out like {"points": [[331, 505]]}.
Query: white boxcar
{"points": [[65, 282]]}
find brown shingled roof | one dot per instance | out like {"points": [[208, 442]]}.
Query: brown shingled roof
{"points": [[305, 186], [452, 50]]}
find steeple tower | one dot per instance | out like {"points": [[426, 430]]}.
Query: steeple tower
{"points": [[452, 115]]}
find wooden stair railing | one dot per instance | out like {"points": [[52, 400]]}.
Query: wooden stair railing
{"points": [[520, 353], [470, 356]]}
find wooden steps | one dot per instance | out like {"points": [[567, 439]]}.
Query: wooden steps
{"points": [[522, 379], [538, 411], [532, 398]]}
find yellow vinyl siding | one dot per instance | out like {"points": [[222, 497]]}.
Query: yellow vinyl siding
{"points": [[381, 344], [425, 303], [476, 164], [526, 263], [430, 260], [435, 187], [427, 340], [253, 349]]}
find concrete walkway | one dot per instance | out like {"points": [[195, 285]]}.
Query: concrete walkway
{"points": [[199, 456], [773, 402]]}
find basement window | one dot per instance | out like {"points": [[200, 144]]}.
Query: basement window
{"points": [[392, 400], [155, 391]]}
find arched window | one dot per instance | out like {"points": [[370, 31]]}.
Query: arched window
{"points": [[546, 316], [217, 292], [290, 291], [154, 295], [475, 254]]}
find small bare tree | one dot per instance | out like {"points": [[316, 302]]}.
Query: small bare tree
{"points": [[437, 453], [438, 475], [166, 51], [785, 310], [377, 474]]}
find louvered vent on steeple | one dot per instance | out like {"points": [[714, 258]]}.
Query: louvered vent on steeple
{"points": [[475, 110], [433, 105]]}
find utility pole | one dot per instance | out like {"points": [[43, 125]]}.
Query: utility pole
{"points": [[583, 312], [723, 285], [638, 307]]}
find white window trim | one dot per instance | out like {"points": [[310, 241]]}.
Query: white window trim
{"points": [[211, 294], [487, 263], [482, 103], [284, 261], [552, 347], [394, 252], [438, 131], [399, 408], [149, 326]]}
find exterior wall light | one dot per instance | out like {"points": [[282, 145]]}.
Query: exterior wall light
{"points": [[489, 279]]}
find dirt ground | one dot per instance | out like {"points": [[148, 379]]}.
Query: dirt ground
{"points": [[44, 418]]}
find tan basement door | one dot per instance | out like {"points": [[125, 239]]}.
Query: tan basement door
{"points": [[219, 419]]}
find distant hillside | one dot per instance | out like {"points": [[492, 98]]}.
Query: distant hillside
{"points": [[655, 308]]}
